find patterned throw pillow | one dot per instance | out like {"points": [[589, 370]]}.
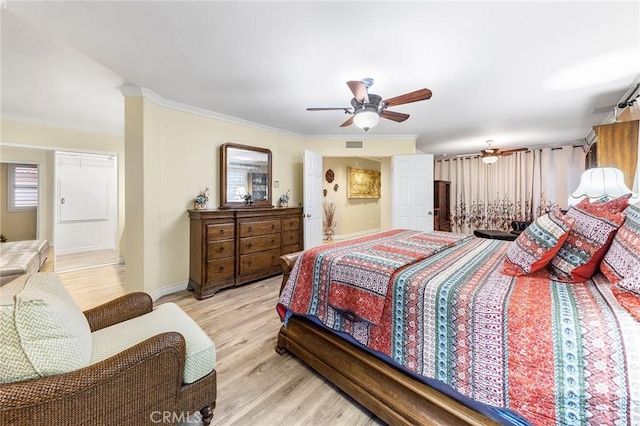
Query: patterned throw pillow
{"points": [[627, 292], [624, 254], [537, 245], [44, 332], [589, 239]]}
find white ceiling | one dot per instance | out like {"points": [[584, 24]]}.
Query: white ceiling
{"points": [[520, 73]]}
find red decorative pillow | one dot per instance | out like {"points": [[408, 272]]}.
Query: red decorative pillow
{"points": [[536, 245], [601, 207], [623, 257], [589, 239], [627, 292]]}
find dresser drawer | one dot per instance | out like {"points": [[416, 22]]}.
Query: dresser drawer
{"points": [[220, 249], [255, 262], [262, 243], [222, 231], [291, 248], [290, 237], [252, 229], [290, 223], [217, 269]]}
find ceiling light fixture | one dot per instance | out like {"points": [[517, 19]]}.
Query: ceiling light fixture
{"points": [[366, 118], [489, 155], [490, 158]]}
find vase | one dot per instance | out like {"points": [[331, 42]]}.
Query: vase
{"points": [[328, 230], [199, 206]]}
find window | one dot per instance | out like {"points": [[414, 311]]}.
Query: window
{"points": [[22, 187]]}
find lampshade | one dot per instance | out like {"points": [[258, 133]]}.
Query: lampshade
{"points": [[599, 182], [366, 118], [490, 159], [241, 191]]}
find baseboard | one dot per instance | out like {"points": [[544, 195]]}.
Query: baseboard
{"points": [[169, 289], [356, 234], [84, 250]]}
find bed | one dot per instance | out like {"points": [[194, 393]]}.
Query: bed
{"points": [[425, 328]]}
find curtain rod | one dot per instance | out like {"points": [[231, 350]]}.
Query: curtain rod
{"points": [[478, 155]]}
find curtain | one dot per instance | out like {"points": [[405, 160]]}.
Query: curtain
{"points": [[521, 186]]}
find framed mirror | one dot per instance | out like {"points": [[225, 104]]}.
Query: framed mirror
{"points": [[245, 176]]}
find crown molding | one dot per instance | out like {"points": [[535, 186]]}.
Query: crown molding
{"points": [[141, 92]]}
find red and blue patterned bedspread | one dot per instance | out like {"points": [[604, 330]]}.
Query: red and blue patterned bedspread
{"points": [[555, 353]]}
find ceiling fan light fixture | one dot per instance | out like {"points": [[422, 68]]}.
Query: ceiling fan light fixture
{"points": [[490, 159], [366, 118]]}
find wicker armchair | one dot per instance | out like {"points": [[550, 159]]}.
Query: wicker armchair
{"points": [[141, 385]]}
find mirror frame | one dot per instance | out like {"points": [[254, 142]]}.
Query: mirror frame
{"points": [[224, 157]]}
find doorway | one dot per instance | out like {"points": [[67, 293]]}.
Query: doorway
{"points": [[19, 198], [85, 210]]}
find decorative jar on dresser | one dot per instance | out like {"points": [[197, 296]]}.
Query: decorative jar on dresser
{"points": [[236, 246]]}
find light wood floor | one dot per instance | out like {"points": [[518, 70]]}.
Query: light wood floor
{"points": [[88, 259], [256, 386]]}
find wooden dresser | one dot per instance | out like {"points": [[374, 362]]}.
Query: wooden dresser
{"points": [[232, 247], [442, 205]]}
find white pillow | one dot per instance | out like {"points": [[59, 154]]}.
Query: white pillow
{"points": [[42, 330]]}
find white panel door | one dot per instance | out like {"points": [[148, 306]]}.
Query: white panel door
{"points": [[312, 188], [412, 183]]}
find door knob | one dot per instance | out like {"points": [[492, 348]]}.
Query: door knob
{"points": [[430, 213]]}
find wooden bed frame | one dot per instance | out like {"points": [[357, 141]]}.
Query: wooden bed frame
{"points": [[389, 393]]}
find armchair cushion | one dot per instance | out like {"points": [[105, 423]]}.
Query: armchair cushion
{"points": [[200, 350], [42, 330]]}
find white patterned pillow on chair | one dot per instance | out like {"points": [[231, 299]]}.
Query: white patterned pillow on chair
{"points": [[42, 330]]}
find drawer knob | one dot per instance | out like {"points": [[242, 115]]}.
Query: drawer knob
{"points": [[250, 262], [221, 231], [221, 269], [273, 226], [249, 245], [273, 241], [220, 249], [250, 229]]}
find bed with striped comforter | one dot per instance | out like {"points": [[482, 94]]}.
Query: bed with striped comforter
{"points": [[555, 353]]}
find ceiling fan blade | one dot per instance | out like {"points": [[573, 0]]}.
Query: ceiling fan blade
{"points": [[349, 122], [418, 95], [330, 109], [511, 151], [359, 90], [395, 116]]}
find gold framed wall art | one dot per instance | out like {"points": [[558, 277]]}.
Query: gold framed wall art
{"points": [[363, 183]]}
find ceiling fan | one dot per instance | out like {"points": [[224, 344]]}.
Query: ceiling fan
{"points": [[490, 155], [367, 108]]}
